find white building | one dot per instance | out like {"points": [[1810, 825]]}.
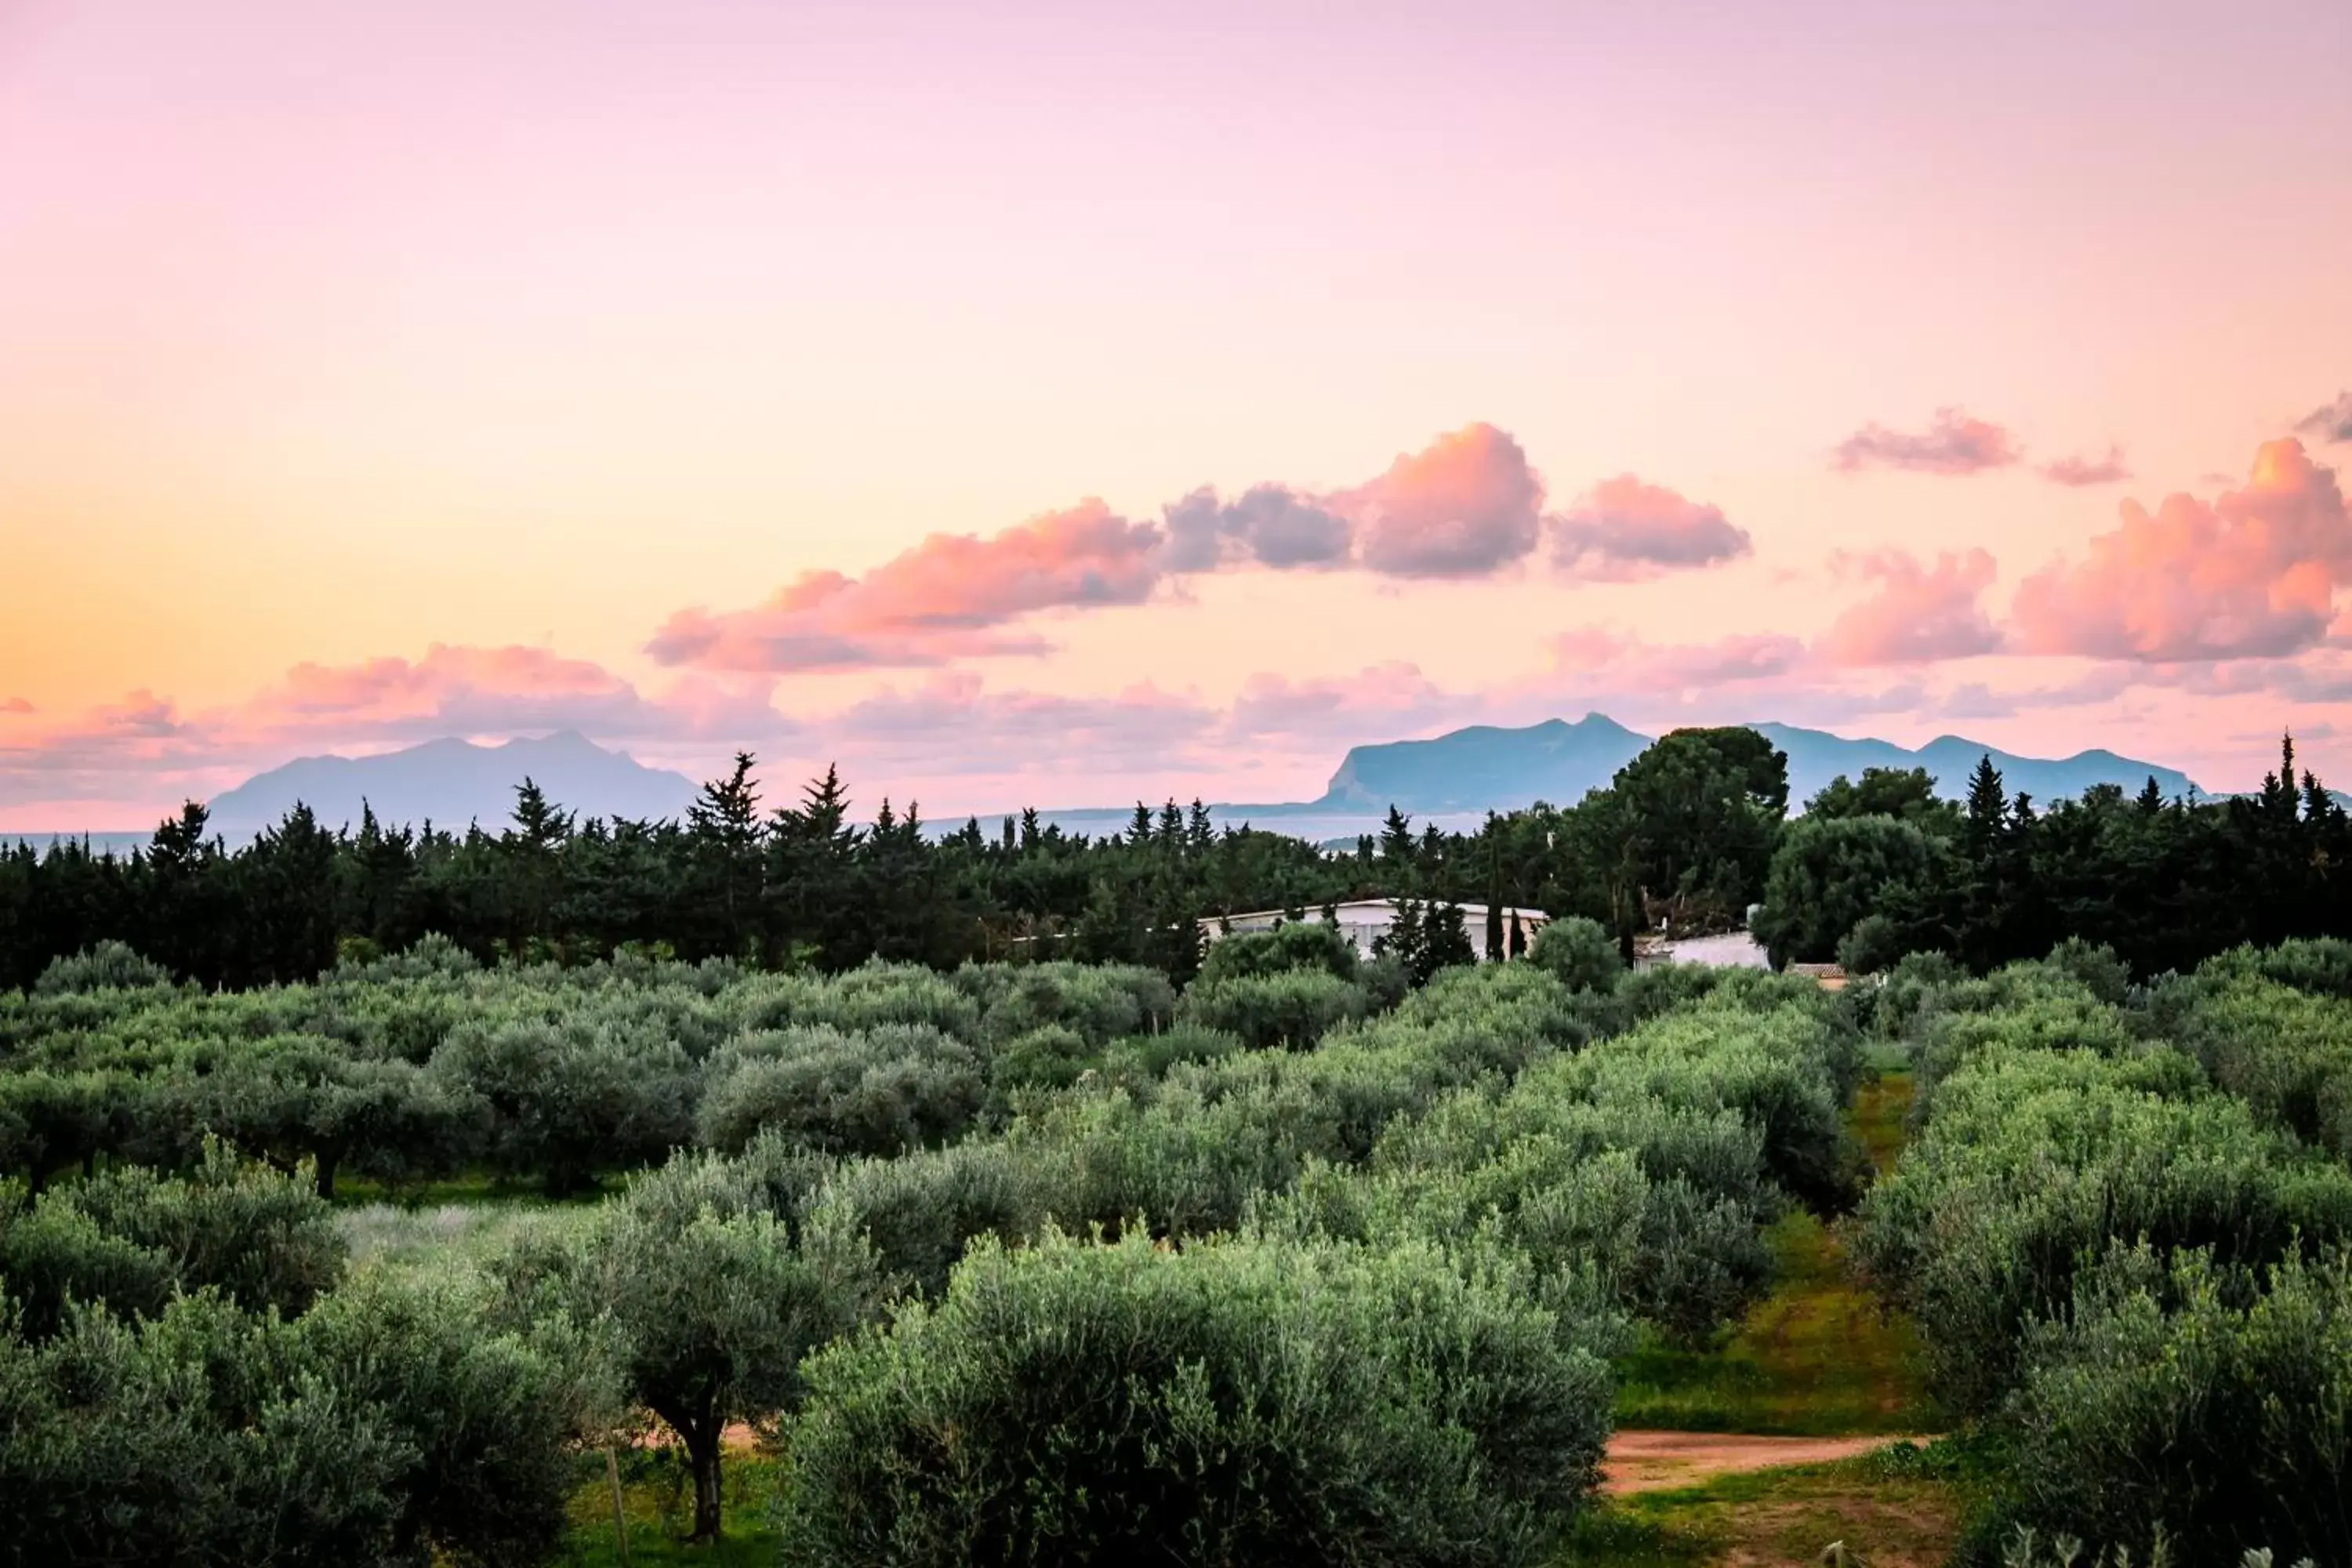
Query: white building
{"points": [[1365, 920], [1731, 949]]}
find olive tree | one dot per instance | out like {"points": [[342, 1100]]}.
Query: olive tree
{"points": [[715, 1304]]}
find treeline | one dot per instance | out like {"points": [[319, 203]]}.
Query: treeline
{"points": [[1689, 836], [1872, 871], [806, 886], [1197, 1301]]}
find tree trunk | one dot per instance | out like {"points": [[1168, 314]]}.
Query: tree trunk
{"points": [[703, 1446], [327, 1163]]}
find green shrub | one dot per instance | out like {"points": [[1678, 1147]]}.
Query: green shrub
{"points": [[2033, 1157], [109, 966], [1292, 1007], [1052, 1056], [919, 1212], [1143, 1057], [1097, 1001], [1875, 944], [1577, 953], [569, 1100], [1229, 1401], [134, 1239], [488, 1418], [2212, 1405], [201, 1435], [1295, 944], [2287, 1052], [877, 1091]]}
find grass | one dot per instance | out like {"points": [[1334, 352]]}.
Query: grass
{"points": [[1896, 1509], [1816, 1358], [460, 1234], [1880, 1109], [657, 1498], [469, 1187]]}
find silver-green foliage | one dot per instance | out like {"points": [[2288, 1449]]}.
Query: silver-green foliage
{"points": [[1230, 1401]]}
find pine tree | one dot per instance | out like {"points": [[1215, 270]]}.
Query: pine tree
{"points": [[723, 827], [1396, 839], [1987, 805], [1446, 940]]}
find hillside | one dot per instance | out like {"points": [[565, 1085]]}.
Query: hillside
{"points": [[452, 783], [1484, 768]]}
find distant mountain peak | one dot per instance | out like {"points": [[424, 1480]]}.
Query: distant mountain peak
{"points": [[451, 782], [1487, 768]]}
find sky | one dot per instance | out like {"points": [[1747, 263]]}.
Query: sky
{"points": [[1070, 403]]}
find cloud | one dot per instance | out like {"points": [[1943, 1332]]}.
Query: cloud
{"points": [[1625, 528], [1953, 443], [1269, 525], [1919, 613], [2331, 423], [1604, 659], [2078, 471], [148, 748], [947, 597], [1975, 700], [2251, 574], [953, 727], [15, 705], [1465, 506], [467, 690], [1382, 703]]}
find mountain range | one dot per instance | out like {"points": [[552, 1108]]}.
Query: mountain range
{"points": [[1452, 780], [1482, 769], [451, 782]]}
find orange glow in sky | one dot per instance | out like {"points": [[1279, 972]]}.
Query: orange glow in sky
{"points": [[1087, 403]]}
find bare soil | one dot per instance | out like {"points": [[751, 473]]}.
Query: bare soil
{"points": [[1641, 1462]]}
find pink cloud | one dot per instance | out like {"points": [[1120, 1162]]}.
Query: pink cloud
{"points": [[1625, 528], [945, 598], [954, 725], [2251, 574], [2331, 422], [1382, 702], [15, 705], [1918, 615], [376, 703], [1464, 505], [2078, 471], [1953, 443], [1628, 664], [1467, 505], [1976, 700]]}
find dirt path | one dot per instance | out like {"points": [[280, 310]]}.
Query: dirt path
{"points": [[1641, 1461]]}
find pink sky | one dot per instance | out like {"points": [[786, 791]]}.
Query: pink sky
{"points": [[1079, 403]]}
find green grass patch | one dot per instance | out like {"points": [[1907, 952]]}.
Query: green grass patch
{"points": [[1891, 1511], [469, 1187], [657, 1499], [1880, 1108], [449, 1235], [1819, 1357], [1816, 1358]]}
